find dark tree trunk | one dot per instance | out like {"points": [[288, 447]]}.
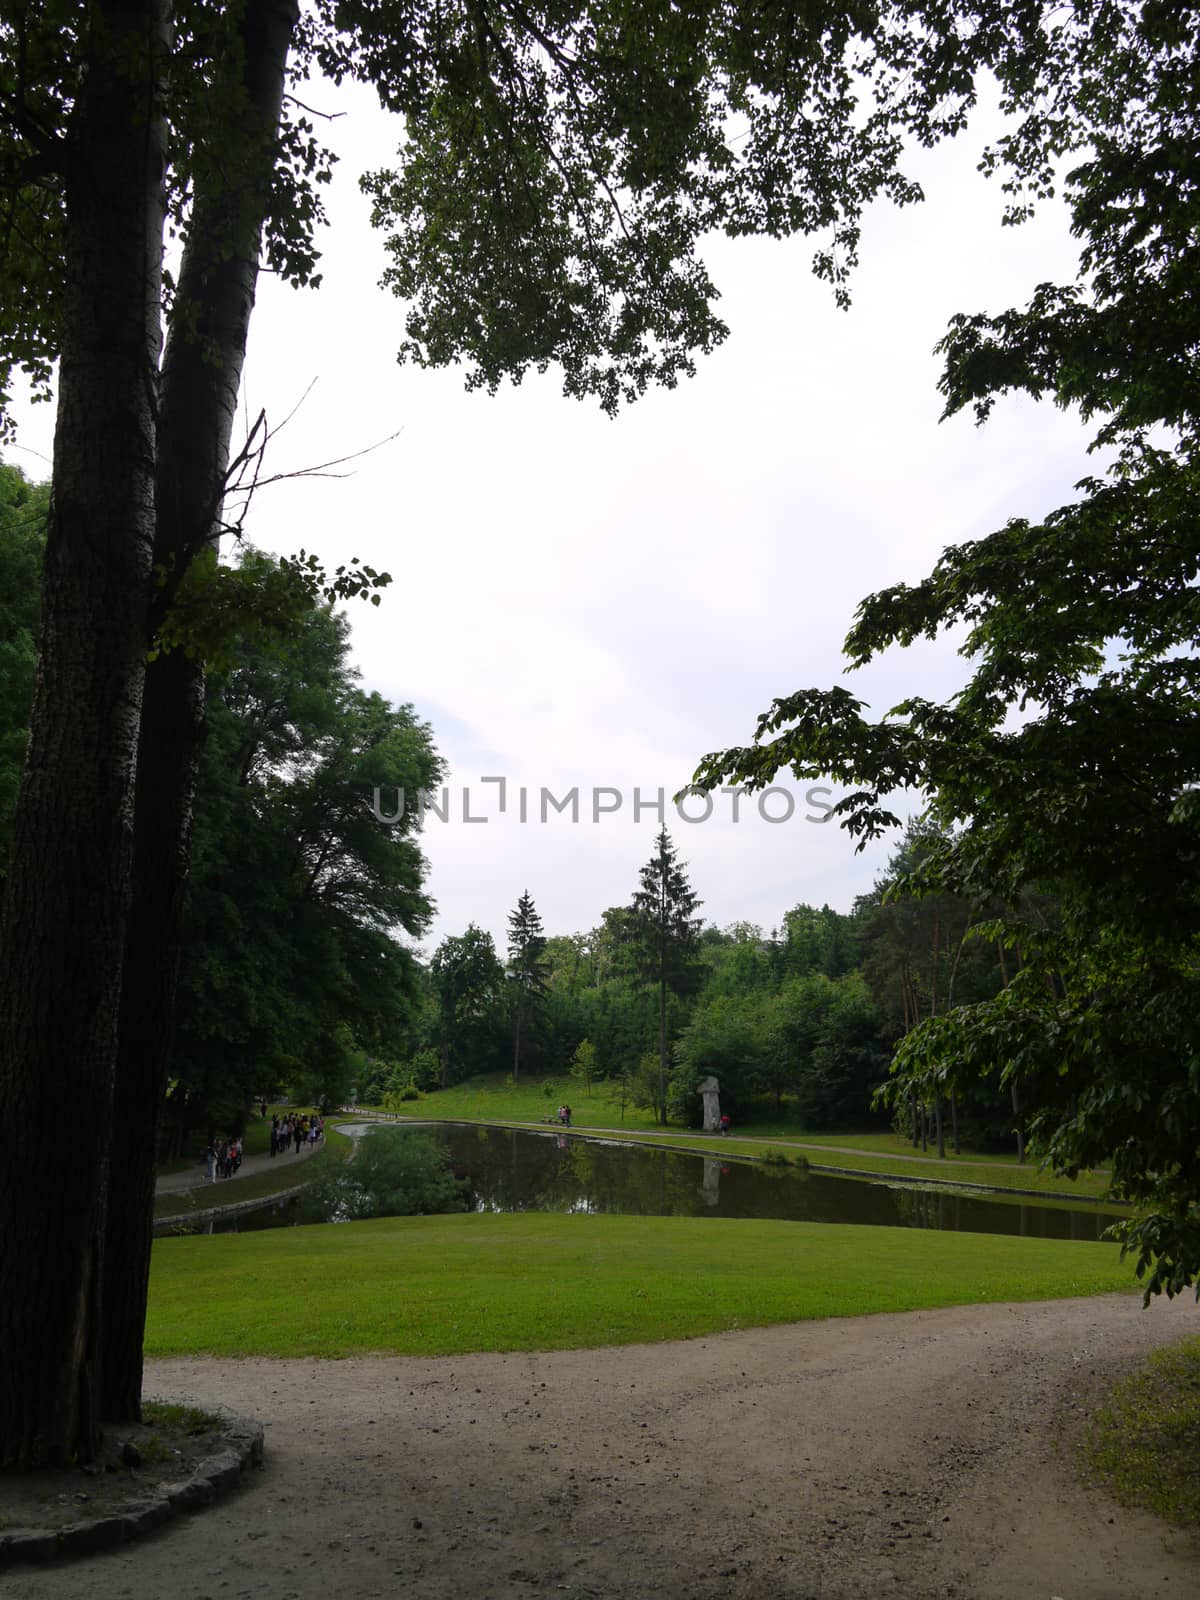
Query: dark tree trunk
{"points": [[69, 884], [201, 378], [940, 1127], [954, 1122]]}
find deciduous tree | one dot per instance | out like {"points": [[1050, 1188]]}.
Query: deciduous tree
{"points": [[1069, 763]]}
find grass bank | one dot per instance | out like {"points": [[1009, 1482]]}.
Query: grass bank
{"points": [[1145, 1443], [494, 1099], [449, 1284]]}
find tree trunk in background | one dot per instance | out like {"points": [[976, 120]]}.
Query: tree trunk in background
{"points": [[662, 1052], [201, 378], [69, 885], [940, 1127], [1017, 1129]]}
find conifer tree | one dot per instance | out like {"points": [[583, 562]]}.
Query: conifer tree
{"points": [[528, 972], [664, 936]]}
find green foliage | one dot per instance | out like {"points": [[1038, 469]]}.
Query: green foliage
{"points": [[662, 931], [815, 1039], [560, 165], [583, 1064], [211, 608], [662, 934], [290, 971], [1068, 765], [395, 1173], [23, 507], [1144, 1442], [468, 986], [528, 972]]}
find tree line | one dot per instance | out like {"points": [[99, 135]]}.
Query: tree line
{"points": [[300, 969], [798, 1022]]}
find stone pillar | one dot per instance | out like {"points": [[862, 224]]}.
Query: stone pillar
{"points": [[709, 1091]]}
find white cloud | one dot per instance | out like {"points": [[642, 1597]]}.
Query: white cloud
{"points": [[583, 601]]}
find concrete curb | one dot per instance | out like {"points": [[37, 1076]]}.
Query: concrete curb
{"points": [[241, 1448], [235, 1208]]}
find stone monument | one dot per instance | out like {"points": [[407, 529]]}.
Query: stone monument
{"points": [[708, 1091]]}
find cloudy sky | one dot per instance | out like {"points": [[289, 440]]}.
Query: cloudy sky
{"points": [[580, 603]]}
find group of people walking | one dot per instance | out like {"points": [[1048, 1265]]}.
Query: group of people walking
{"points": [[222, 1158], [295, 1130]]}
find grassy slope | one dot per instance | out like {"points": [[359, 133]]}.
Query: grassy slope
{"points": [[494, 1099], [445, 1285]]}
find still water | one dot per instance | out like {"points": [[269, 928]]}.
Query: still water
{"points": [[510, 1170]]}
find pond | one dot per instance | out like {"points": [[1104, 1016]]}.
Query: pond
{"points": [[515, 1170]]}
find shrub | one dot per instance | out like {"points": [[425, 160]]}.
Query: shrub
{"points": [[394, 1173]]}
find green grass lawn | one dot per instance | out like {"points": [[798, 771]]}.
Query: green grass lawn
{"points": [[494, 1099], [448, 1284]]}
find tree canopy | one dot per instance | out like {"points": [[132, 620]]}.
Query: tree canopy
{"points": [[1069, 762]]}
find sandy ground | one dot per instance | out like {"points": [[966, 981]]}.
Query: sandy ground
{"points": [[917, 1456]]}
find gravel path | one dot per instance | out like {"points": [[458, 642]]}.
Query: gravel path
{"points": [[193, 1177], [917, 1456]]}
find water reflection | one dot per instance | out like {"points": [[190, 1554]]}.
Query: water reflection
{"points": [[515, 1170], [512, 1170]]}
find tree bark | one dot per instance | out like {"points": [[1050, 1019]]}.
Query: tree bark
{"points": [[69, 885], [201, 378]]}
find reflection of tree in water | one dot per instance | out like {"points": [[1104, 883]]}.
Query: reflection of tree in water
{"points": [[522, 1171], [927, 1208]]}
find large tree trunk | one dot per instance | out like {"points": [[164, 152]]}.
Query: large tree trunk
{"points": [[201, 378], [67, 897]]}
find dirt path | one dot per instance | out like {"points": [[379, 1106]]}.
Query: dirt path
{"points": [[914, 1456], [193, 1177]]}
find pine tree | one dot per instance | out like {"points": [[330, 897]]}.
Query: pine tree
{"points": [[664, 937], [528, 972]]}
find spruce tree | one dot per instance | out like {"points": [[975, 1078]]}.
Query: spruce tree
{"points": [[664, 937], [528, 972]]}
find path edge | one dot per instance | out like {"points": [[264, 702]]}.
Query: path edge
{"points": [[241, 1448]]}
